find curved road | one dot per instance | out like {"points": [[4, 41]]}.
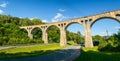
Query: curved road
{"points": [[67, 54]]}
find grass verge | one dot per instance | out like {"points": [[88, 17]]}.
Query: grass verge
{"points": [[28, 51], [92, 54]]}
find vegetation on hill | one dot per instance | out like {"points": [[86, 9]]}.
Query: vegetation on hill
{"points": [[11, 34]]}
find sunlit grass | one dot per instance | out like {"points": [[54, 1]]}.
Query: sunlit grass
{"points": [[92, 54], [91, 49], [29, 51]]}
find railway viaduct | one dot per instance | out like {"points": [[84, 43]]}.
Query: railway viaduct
{"points": [[86, 22]]}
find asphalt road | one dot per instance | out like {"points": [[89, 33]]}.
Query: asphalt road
{"points": [[67, 54]]}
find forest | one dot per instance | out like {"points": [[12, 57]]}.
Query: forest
{"points": [[11, 34]]}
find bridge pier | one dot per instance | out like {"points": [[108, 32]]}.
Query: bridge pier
{"points": [[44, 36], [29, 30], [88, 37], [62, 37], [30, 35]]}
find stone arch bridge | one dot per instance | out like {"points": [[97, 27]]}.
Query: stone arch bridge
{"points": [[86, 22]]}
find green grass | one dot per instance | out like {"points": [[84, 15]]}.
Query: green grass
{"points": [[92, 54], [33, 50]]}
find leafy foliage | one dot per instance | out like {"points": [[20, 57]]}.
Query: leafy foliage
{"points": [[76, 37], [53, 34], [11, 34], [108, 43]]}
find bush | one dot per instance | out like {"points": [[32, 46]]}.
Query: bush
{"points": [[95, 43], [102, 44], [108, 47]]}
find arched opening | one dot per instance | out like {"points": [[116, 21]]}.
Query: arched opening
{"points": [[37, 35], [118, 15], [103, 33], [53, 34], [75, 33]]}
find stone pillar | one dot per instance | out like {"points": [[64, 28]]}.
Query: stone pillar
{"points": [[88, 37], [62, 36], [29, 33], [44, 36]]}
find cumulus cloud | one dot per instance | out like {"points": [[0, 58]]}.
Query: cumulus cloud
{"points": [[31, 18], [1, 11], [61, 10], [44, 21], [58, 17], [3, 4]]}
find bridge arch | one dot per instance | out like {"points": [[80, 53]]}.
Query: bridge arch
{"points": [[78, 25], [24, 32], [118, 15], [97, 19], [70, 23], [53, 33], [103, 23], [52, 26], [36, 32]]}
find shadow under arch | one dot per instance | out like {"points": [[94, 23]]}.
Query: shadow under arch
{"points": [[77, 36], [118, 15], [37, 33], [53, 34]]}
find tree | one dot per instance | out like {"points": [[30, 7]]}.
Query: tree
{"points": [[53, 34], [112, 44], [36, 21]]}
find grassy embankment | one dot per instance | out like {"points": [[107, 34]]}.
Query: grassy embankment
{"points": [[92, 54], [33, 50]]}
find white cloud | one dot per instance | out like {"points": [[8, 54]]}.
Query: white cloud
{"points": [[58, 17], [3, 4], [61, 10], [44, 21], [31, 18], [1, 11]]}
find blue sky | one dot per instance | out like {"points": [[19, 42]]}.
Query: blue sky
{"points": [[58, 10]]}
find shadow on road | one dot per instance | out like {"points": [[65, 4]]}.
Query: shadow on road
{"points": [[67, 54]]}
